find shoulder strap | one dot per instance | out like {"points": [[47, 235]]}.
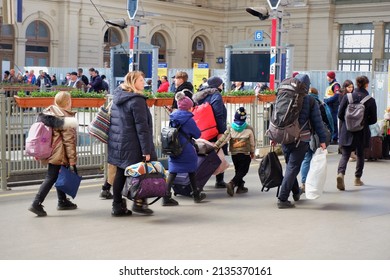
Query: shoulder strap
{"points": [[366, 98], [350, 99]]}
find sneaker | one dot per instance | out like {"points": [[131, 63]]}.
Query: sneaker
{"points": [[37, 209], [142, 209], [230, 188], [340, 182], [66, 205], [169, 201], [242, 189], [106, 194], [285, 204], [297, 196], [358, 182], [120, 210], [198, 198], [220, 185]]}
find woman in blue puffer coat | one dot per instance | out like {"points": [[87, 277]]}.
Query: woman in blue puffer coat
{"points": [[187, 161]]}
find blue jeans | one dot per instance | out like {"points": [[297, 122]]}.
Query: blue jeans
{"points": [[294, 157], [305, 167]]}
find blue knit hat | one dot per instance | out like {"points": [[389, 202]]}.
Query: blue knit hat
{"points": [[240, 116]]}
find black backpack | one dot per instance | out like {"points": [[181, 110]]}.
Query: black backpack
{"points": [[284, 126], [170, 144], [270, 172]]}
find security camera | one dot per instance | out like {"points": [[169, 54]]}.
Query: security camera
{"points": [[260, 12], [120, 22]]}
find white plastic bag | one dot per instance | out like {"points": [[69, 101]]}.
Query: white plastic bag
{"points": [[315, 180]]}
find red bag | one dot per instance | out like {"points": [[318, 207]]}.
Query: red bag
{"points": [[205, 120]]}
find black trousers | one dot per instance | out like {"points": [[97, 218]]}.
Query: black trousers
{"points": [[119, 183], [241, 167], [50, 179], [172, 177]]}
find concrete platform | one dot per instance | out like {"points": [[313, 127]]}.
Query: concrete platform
{"points": [[349, 225]]}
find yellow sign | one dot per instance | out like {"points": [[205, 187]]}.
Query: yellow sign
{"points": [[162, 72], [198, 75]]}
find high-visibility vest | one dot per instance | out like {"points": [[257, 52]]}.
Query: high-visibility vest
{"points": [[329, 91]]}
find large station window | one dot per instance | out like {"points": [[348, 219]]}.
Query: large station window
{"points": [[159, 40], [6, 44], [198, 51], [356, 45], [111, 39], [38, 44]]}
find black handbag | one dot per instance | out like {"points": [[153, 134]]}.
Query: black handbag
{"points": [[271, 172]]}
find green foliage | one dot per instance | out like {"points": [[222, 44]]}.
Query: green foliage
{"points": [[164, 95], [268, 92], [241, 93], [73, 93]]}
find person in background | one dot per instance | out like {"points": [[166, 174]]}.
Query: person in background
{"points": [[187, 161], [105, 83], [241, 139], [130, 138], [76, 82], [64, 139], [66, 79], [355, 141], [54, 80], [96, 83], [238, 86], [212, 95], [347, 87], [81, 76], [164, 87], [386, 134], [332, 97], [181, 83], [203, 85], [172, 87], [43, 81], [31, 79]]}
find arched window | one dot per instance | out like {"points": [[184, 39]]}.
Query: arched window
{"points": [[198, 50], [159, 40], [111, 38], [38, 44], [6, 44]]}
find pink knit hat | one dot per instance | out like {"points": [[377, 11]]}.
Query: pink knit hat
{"points": [[183, 101]]}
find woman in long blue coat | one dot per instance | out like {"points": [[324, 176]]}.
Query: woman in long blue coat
{"points": [[187, 161], [130, 138]]}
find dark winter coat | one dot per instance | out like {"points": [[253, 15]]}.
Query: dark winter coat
{"points": [[214, 97], [187, 161], [131, 130], [310, 118], [185, 85], [362, 137]]}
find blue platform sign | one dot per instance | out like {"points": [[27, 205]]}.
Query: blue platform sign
{"points": [[132, 8], [203, 65], [259, 35]]}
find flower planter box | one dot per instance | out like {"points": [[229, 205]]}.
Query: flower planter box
{"points": [[240, 99], [29, 102], [267, 97], [150, 102], [163, 102]]}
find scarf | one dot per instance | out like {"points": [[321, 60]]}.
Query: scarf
{"points": [[239, 127]]}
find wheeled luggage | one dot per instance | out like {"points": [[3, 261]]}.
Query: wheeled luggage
{"points": [[207, 164], [374, 151]]}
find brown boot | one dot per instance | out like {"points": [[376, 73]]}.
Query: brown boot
{"points": [[358, 182], [303, 187], [340, 182]]}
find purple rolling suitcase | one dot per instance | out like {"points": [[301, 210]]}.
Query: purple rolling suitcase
{"points": [[207, 164]]}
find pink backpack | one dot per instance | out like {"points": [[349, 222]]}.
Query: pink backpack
{"points": [[38, 142]]}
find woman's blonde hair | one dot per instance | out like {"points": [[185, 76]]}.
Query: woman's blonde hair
{"points": [[62, 99], [130, 79]]}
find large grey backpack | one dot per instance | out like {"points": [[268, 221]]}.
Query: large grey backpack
{"points": [[354, 114], [284, 126]]}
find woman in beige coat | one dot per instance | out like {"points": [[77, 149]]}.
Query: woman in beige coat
{"points": [[64, 139]]}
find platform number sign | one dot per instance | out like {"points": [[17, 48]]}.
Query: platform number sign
{"points": [[132, 7], [273, 4], [259, 35]]}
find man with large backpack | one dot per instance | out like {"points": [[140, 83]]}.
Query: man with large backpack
{"points": [[294, 114]]}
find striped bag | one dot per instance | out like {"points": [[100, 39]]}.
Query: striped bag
{"points": [[100, 125]]}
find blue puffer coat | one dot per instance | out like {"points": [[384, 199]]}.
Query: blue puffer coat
{"points": [[187, 161], [130, 135]]}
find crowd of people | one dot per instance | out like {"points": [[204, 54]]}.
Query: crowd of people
{"points": [[131, 140], [44, 81]]}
